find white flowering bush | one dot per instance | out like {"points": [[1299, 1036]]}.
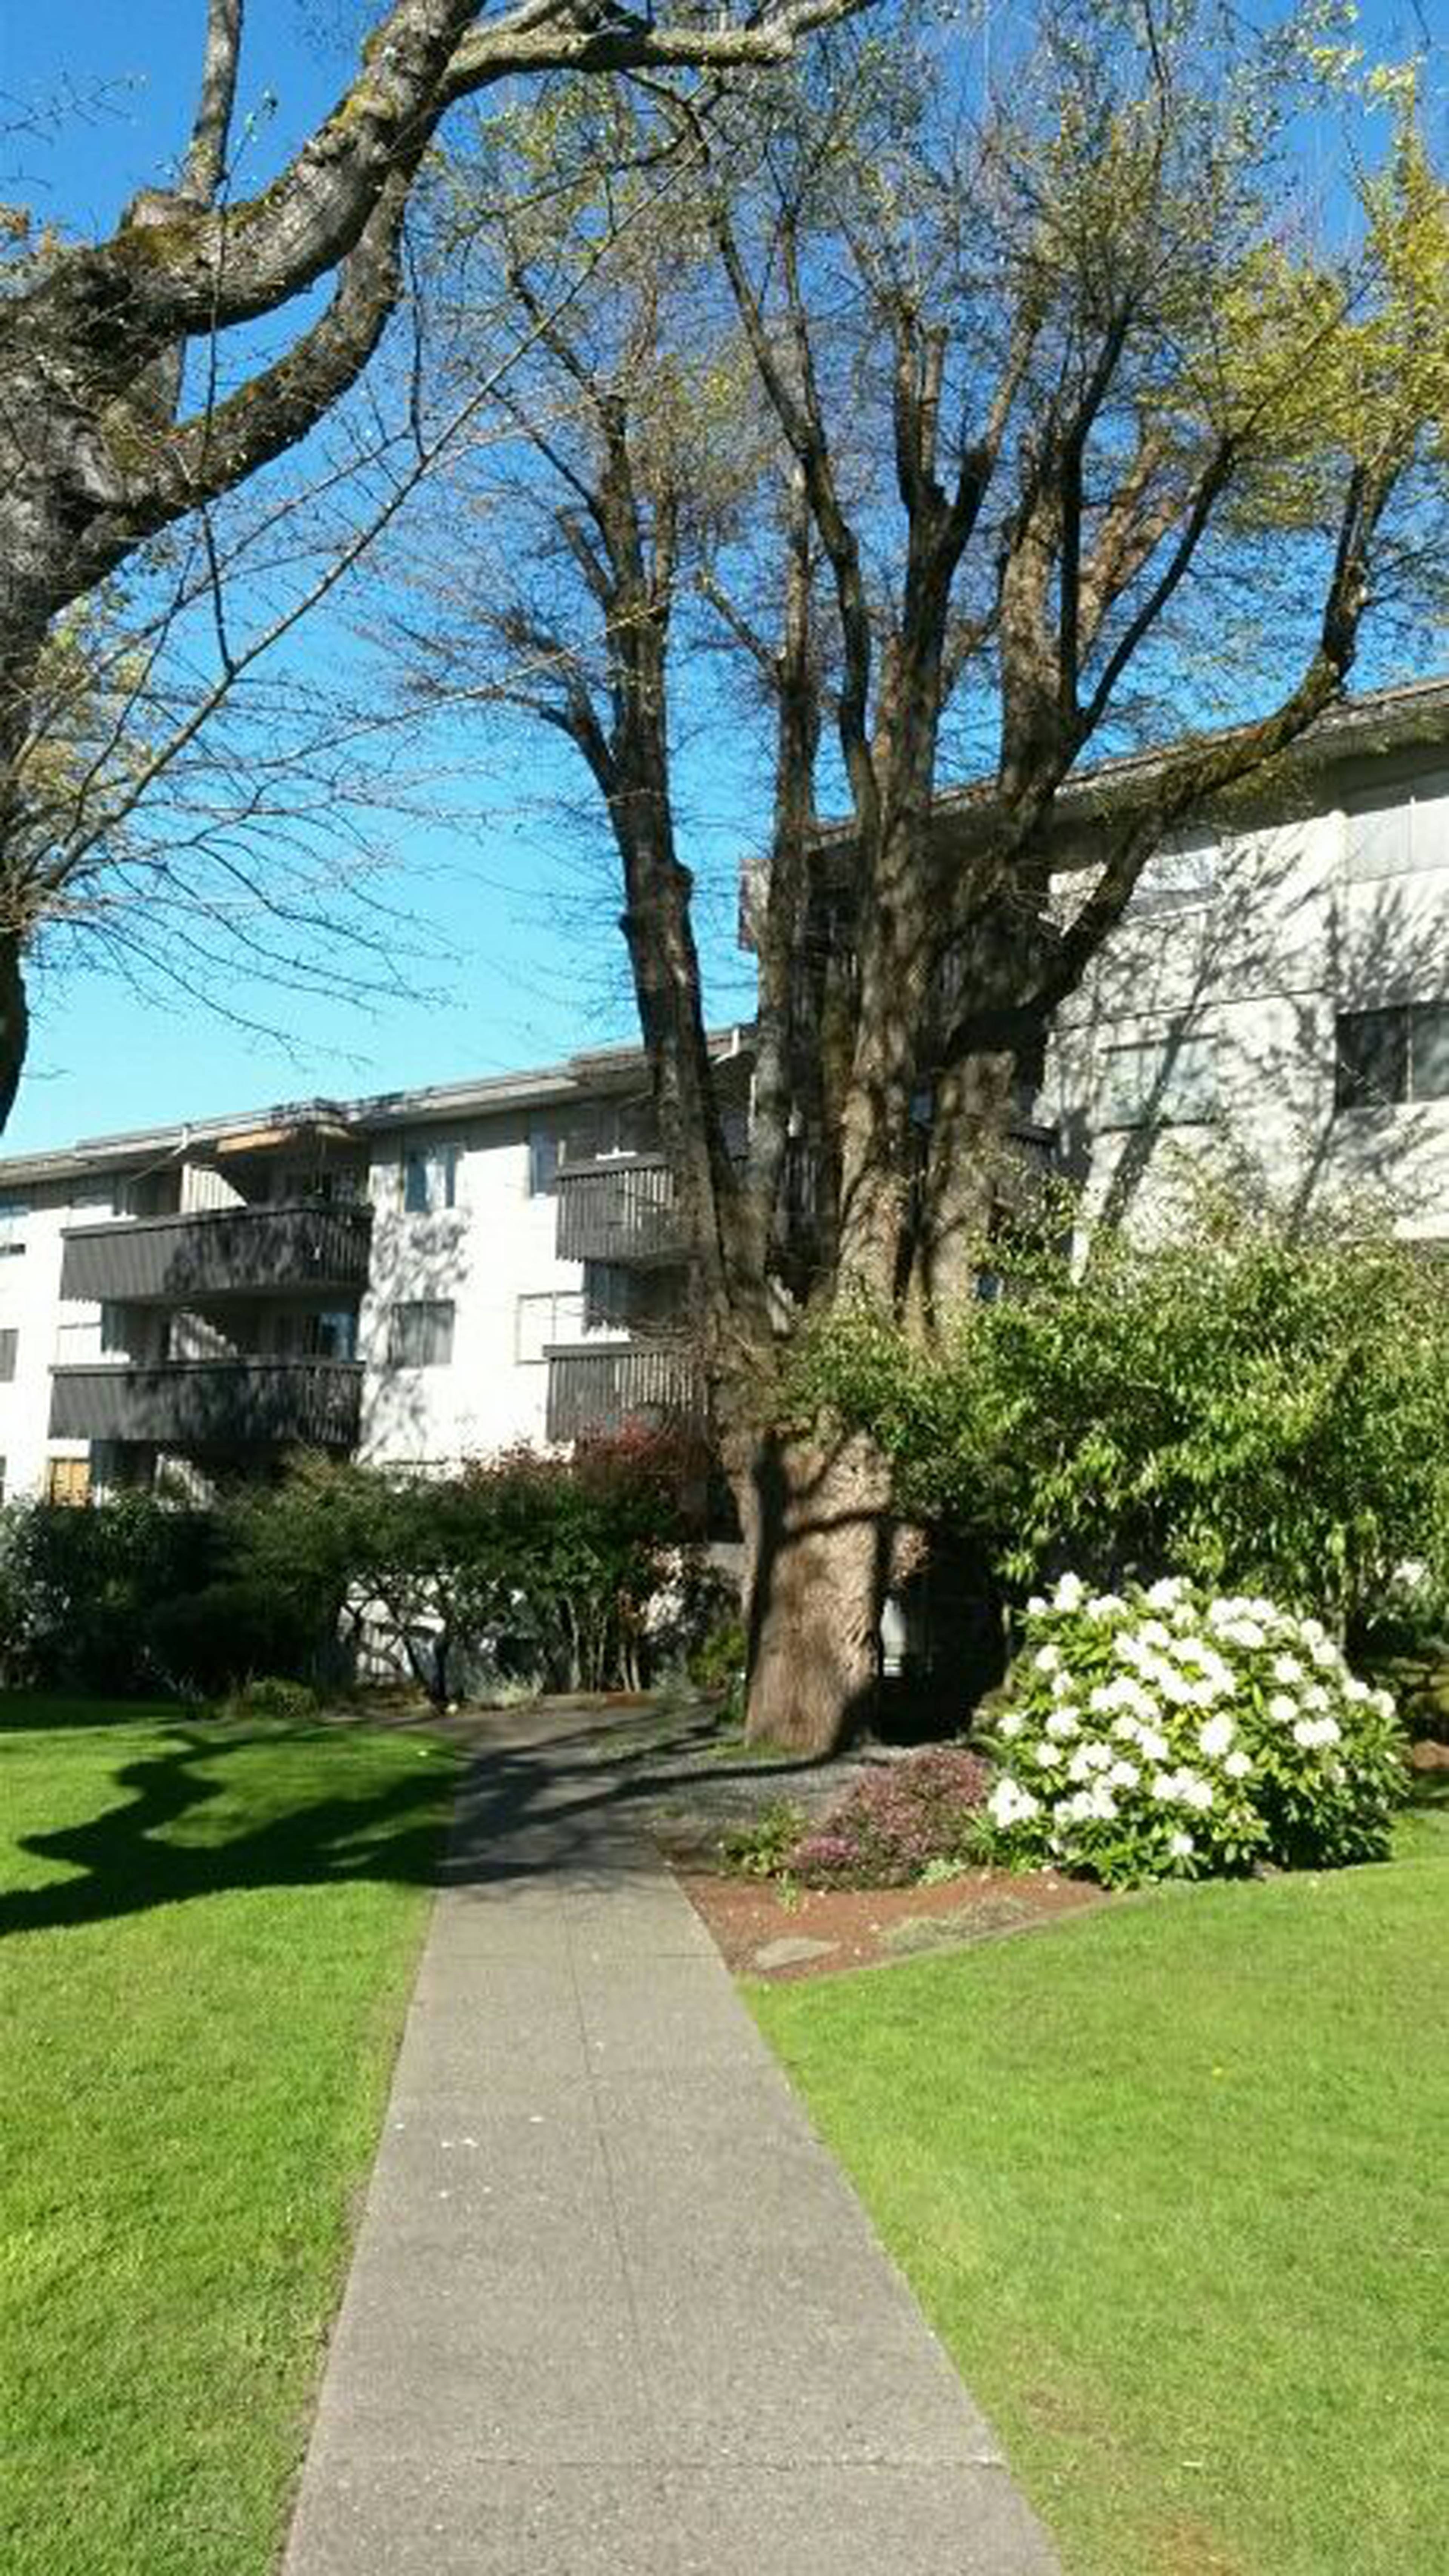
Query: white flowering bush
{"points": [[1171, 1733]]}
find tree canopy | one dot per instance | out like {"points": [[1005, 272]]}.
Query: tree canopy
{"points": [[123, 420], [994, 421]]}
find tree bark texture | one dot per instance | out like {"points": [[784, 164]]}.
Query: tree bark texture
{"points": [[817, 1551], [14, 1021]]}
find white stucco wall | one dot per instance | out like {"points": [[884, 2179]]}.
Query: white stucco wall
{"points": [[495, 1245], [1286, 942], [46, 1330]]}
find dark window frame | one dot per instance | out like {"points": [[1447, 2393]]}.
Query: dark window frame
{"points": [[1392, 1027], [401, 1323], [430, 1163]]}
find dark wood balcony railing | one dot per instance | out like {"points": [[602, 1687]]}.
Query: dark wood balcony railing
{"points": [[211, 1404], [621, 1210], [592, 1392], [624, 1210], [221, 1252], [1028, 1160]]}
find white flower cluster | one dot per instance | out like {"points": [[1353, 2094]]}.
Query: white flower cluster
{"points": [[1128, 1713], [1009, 1804]]}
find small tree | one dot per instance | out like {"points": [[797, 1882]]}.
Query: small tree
{"points": [[343, 1542], [560, 1556]]}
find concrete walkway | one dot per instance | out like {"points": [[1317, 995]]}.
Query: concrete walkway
{"points": [[613, 2307]]}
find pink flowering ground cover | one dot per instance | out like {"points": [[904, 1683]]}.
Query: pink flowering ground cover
{"points": [[898, 1822]]}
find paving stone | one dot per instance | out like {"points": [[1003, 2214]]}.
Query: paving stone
{"points": [[792, 1950]]}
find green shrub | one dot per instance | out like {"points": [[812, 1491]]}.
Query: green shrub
{"points": [[533, 1563], [762, 1849], [205, 1641], [1175, 1733], [1420, 1685], [272, 1695], [88, 1595], [1264, 1412], [719, 1658]]}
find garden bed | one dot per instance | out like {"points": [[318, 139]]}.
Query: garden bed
{"points": [[755, 1922]]}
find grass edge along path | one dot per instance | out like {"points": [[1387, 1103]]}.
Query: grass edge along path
{"points": [[208, 1938], [1168, 2180]]}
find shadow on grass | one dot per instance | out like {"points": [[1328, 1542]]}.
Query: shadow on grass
{"points": [[546, 1795], [390, 1832]]}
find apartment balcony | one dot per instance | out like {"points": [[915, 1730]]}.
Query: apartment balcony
{"points": [[1029, 1159], [220, 1252], [599, 1389], [619, 1210], [211, 1404]]}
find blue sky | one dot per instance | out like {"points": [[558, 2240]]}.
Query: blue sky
{"points": [[522, 960], [525, 967]]}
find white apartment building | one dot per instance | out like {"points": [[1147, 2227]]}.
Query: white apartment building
{"points": [[1276, 1003], [440, 1273], [417, 1278]]}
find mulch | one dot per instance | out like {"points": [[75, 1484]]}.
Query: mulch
{"points": [[865, 1927]]}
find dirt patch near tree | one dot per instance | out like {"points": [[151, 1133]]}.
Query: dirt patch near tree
{"points": [[819, 1931]]}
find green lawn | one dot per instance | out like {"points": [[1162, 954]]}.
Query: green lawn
{"points": [[1171, 2180], [207, 1937]]}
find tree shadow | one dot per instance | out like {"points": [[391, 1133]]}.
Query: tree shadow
{"points": [[550, 1798], [389, 1833]]}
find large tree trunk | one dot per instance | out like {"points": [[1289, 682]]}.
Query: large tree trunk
{"points": [[817, 1549], [14, 1022]]}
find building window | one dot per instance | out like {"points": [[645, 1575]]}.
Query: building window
{"points": [[1392, 1055], [1169, 1082], [1399, 833], [68, 1480], [610, 1296], [2, 1480], [1181, 878], [543, 1161], [305, 1184], [330, 1335], [13, 1213], [619, 1297], [115, 1335], [421, 1334], [9, 1346], [430, 1178], [604, 1129], [148, 1193], [553, 1316]]}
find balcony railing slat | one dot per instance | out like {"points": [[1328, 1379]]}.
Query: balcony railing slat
{"points": [[218, 1253], [592, 1393], [619, 1211], [204, 1404]]}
